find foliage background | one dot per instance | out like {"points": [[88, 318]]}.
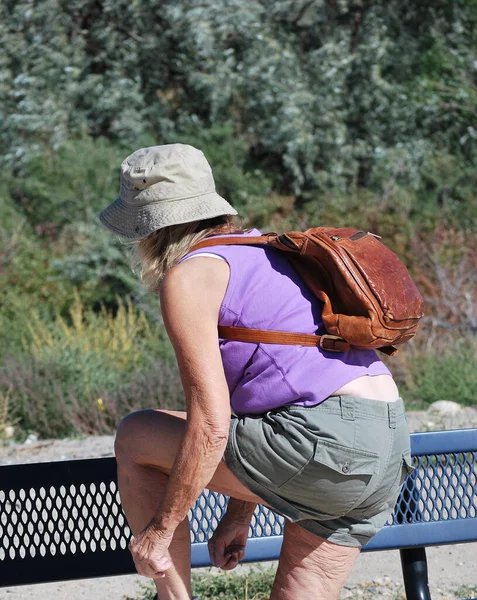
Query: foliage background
{"points": [[359, 112]]}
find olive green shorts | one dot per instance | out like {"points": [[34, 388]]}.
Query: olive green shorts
{"points": [[336, 468]]}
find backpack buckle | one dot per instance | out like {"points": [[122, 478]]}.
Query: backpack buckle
{"points": [[333, 343]]}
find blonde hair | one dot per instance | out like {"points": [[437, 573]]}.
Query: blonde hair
{"points": [[153, 256]]}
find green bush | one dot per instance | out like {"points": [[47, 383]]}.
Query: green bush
{"points": [[43, 273], [58, 399], [446, 372], [68, 365], [27, 284], [235, 177], [324, 95], [255, 585], [95, 263], [67, 185], [53, 243], [310, 113]]}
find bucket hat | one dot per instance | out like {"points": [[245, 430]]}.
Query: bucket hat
{"points": [[162, 186]]}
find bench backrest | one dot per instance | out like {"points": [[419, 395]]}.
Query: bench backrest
{"points": [[63, 520]]}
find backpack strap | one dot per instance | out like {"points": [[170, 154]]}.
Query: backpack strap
{"points": [[250, 240], [329, 343]]}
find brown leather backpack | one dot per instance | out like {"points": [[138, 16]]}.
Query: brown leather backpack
{"points": [[370, 300]]}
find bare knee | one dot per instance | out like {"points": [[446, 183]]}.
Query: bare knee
{"points": [[130, 432], [149, 438]]}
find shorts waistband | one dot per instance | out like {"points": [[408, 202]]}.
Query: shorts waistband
{"points": [[350, 407]]}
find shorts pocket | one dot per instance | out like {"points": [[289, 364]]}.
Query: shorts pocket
{"points": [[333, 481]]}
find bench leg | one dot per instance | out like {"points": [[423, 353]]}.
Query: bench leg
{"points": [[414, 570]]}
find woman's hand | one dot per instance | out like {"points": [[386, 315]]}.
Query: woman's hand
{"points": [[227, 544], [149, 550]]}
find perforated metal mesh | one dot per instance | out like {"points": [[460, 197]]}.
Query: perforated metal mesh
{"points": [[442, 488], [68, 519], [88, 518], [72, 510], [209, 509]]}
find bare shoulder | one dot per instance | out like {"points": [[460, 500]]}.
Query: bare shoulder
{"points": [[198, 283]]}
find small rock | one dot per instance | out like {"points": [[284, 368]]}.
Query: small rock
{"points": [[32, 438], [445, 408]]}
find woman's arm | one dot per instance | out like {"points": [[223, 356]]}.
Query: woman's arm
{"points": [[191, 297], [227, 544]]}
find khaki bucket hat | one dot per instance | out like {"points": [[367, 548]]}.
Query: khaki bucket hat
{"points": [[162, 186]]}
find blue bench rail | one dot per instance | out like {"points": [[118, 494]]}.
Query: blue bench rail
{"points": [[64, 520]]}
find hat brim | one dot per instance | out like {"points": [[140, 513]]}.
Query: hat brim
{"points": [[137, 222]]}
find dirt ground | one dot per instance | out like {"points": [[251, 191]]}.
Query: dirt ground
{"points": [[375, 575]]}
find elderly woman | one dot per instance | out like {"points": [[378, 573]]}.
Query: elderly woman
{"points": [[319, 437]]}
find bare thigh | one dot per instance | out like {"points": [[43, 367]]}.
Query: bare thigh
{"points": [[152, 438]]}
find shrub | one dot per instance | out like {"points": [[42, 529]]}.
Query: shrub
{"points": [[255, 585], [52, 241], [95, 263], [236, 178], [51, 399], [156, 387], [438, 364], [42, 276], [27, 284], [426, 374], [447, 263], [67, 184], [325, 95], [67, 365], [126, 339]]}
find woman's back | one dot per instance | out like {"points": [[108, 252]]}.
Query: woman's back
{"points": [[264, 292]]}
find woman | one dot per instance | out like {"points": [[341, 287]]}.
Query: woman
{"points": [[319, 437]]}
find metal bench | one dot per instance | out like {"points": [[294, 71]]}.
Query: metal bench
{"points": [[63, 520]]}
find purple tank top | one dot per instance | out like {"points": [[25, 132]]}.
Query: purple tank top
{"points": [[265, 292]]}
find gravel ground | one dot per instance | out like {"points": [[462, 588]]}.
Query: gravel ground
{"points": [[452, 569]]}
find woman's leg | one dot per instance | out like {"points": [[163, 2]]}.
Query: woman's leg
{"points": [[310, 567], [146, 446]]}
